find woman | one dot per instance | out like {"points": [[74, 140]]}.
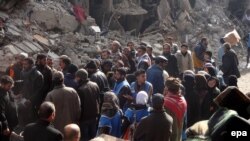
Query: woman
{"points": [[110, 120], [134, 114]]}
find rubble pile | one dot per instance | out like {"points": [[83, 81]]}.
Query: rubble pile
{"points": [[50, 26]]}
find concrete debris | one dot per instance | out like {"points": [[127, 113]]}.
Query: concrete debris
{"points": [[51, 27]]}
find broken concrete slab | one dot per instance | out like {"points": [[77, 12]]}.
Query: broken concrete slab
{"points": [[42, 40]]}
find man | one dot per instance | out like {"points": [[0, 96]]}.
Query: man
{"points": [[131, 46], [131, 60], [173, 46], [67, 102], [89, 94], [5, 124], [198, 54], [157, 126], [97, 76], [184, 59], [175, 105], [220, 52], [155, 74], [32, 87], [122, 88], [64, 62], [42, 130], [115, 50], [229, 63], [141, 84], [105, 54], [150, 53], [50, 63], [69, 77], [14, 71], [72, 132], [47, 76], [143, 60], [172, 67]]}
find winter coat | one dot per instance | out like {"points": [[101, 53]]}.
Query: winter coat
{"points": [[67, 104], [101, 80], [198, 56], [230, 64], [184, 62], [89, 95], [155, 127], [155, 77], [32, 86], [172, 67]]}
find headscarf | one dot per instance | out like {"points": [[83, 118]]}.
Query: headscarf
{"points": [[110, 104], [142, 98]]}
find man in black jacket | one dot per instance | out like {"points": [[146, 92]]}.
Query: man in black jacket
{"points": [[89, 95], [6, 84], [31, 91], [172, 67], [41, 66], [229, 63], [157, 126], [41, 130]]}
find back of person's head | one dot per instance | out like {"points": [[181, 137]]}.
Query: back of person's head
{"points": [[58, 78], [65, 59], [160, 59], [6, 80], [158, 101], [72, 69], [142, 98], [227, 46], [91, 65], [72, 132], [46, 110], [209, 53], [203, 39], [82, 74], [173, 85]]}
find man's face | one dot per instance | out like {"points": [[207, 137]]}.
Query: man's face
{"points": [[205, 43], [140, 52], [42, 61], [118, 76], [114, 47], [130, 45], [142, 78], [49, 62], [184, 49], [126, 51], [26, 66], [104, 55], [19, 60], [166, 49], [62, 64], [149, 50], [7, 87], [211, 83]]}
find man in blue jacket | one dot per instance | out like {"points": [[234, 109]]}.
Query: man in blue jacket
{"points": [[155, 74]]}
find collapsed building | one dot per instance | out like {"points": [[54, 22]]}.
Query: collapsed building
{"points": [[34, 26]]}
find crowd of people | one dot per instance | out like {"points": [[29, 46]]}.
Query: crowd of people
{"points": [[127, 92]]}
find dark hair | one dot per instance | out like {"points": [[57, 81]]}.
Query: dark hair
{"points": [[201, 82], [122, 71], [65, 59], [46, 110], [222, 41], [209, 53], [41, 56], [139, 72], [143, 48], [173, 84], [29, 60], [203, 39], [184, 45], [227, 46], [6, 80]]}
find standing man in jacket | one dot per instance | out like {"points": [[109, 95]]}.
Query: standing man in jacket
{"points": [[172, 67], [67, 103], [88, 92], [42, 130], [198, 54]]}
